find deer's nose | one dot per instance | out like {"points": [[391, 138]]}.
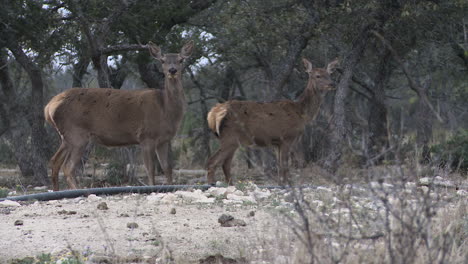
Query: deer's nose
{"points": [[172, 71]]}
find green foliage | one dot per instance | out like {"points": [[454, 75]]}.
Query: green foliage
{"points": [[454, 152], [6, 155], [4, 192], [115, 173], [27, 260], [44, 258]]}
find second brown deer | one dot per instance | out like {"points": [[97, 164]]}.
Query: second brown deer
{"points": [[277, 123], [110, 117]]}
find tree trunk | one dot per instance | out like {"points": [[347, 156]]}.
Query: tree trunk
{"points": [[149, 73], [100, 64], [338, 123], [79, 70], [39, 143], [378, 137]]}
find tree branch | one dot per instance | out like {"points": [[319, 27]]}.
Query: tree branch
{"points": [[412, 83]]}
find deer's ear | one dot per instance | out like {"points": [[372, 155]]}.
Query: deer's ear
{"points": [[307, 65], [154, 50], [186, 50], [332, 66]]}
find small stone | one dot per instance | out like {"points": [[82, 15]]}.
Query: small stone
{"points": [[103, 206], [229, 221], [9, 203], [19, 222], [251, 214], [65, 212], [93, 197], [173, 211], [40, 188], [235, 222], [124, 215], [225, 218], [132, 225]]}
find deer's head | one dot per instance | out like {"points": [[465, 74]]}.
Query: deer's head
{"points": [[172, 63], [320, 76]]}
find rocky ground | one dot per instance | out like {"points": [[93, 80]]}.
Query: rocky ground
{"points": [[241, 224]]}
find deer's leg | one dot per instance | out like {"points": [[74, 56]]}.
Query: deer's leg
{"points": [[227, 166], [72, 162], [283, 155], [217, 159], [163, 156], [148, 158], [56, 163]]}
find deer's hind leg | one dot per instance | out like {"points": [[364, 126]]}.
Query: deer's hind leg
{"points": [[56, 163], [75, 148], [222, 156], [227, 166]]}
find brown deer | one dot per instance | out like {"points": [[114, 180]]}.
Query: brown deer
{"points": [[277, 123], [110, 117]]}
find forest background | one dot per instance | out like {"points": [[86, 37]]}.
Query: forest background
{"points": [[401, 89]]}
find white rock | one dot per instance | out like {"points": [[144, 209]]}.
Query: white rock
{"points": [[9, 203], [410, 185], [259, 194], [239, 192], [231, 196], [93, 198], [217, 191], [196, 196], [230, 189], [12, 193], [438, 178], [462, 193], [205, 200], [40, 188], [232, 201], [324, 189], [219, 184], [425, 181], [153, 197], [169, 198]]}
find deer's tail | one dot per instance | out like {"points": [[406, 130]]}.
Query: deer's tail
{"points": [[215, 118], [51, 107]]}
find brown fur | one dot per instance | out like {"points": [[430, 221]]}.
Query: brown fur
{"points": [[260, 124], [111, 117]]}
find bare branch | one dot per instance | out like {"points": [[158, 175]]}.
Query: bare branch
{"points": [[412, 83]]}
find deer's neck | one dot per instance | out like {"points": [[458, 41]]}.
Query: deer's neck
{"points": [[310, 100], [174, 95]]}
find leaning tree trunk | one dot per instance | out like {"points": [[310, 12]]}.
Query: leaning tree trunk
{"points": [[39, 152], [338, 123], [13, 122]]}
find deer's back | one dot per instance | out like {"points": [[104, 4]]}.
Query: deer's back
{"points": [[113, 117], [262, 123]]}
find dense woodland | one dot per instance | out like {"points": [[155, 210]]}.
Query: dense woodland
{"points": [[401, 88]]}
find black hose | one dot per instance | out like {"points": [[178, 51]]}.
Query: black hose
{"points": [[109, 191], [103, 191]]}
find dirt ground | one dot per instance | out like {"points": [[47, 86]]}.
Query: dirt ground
{"points": [[188, 235], [156, 228], [183, 227]]}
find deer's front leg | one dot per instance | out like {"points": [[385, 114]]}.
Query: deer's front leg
{"points": [[147, 149], [163, 156]]}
